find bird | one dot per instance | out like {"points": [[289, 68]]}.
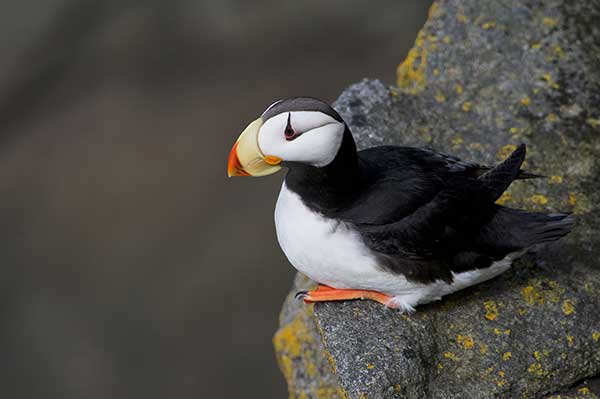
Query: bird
{"points": [[403, 226]]}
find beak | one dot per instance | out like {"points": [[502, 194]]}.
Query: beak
{"points": [[246, 158]]}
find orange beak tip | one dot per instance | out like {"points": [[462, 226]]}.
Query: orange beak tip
{"points": [[234, 168]]}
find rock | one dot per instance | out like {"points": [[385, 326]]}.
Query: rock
{"points": [[483, 76]]}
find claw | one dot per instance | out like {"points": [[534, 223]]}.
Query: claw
{"points": [[301, 294]]}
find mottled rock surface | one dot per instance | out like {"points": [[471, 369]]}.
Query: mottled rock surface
{"points": [[483, 76]]}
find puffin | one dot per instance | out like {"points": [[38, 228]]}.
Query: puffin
{"points": [[399, 225]]}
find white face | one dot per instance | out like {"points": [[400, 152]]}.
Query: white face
{"points": [[314, 140]]}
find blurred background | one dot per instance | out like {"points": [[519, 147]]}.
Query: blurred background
{"points": [[131, 266]]}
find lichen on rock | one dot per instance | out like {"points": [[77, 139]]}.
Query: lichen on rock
{"points": [[483, 77]]}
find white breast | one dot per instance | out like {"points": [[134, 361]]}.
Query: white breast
{"points": [[324, 249], [332, 253]]}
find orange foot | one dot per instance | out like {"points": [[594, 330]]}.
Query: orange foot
{"points": [[325, 293]]}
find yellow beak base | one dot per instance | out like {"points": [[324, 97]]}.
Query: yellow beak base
{"points": [[246, 158]]}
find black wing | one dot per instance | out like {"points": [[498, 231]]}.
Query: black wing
{"points": [[432, 217], [399, 180]]}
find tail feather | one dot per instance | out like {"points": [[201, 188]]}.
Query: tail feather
{"points": [[497, 179], [527, 175], [523, 174], [512, 230], [551, 227]]}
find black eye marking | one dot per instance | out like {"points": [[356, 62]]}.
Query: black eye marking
{"points": [[289, 132]]}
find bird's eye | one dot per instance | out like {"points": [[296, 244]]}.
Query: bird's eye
{"points": [[289, 132]]}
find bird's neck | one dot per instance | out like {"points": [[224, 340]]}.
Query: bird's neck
{"points": [[327, 188]]}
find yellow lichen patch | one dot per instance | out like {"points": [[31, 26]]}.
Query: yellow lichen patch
{"points": [[525, 101], [498, 331], [411, 72], [285, 364], [522, 311], [514, 130], [501, 381], [572, 199], [568, 307], [536, 46], [457, 141], [541, 292], [537, 370], [289, 342], [329, 393], [552, 117], [530, 295], [476, 146], [483, 348], [570, 339], [556, 179], [491, 310], [433, 10], [436, 72], [506, 151], [548, 78], [310, 368], [397, 387], [462, 18], [593, 122], [447, 39], [554, 291], [504, 198], [550, 22], [558, 51], [467, 106], [596, 336], [506, 356], [488, 25], [582, 204], [539, 199], [584, 391], [440, 97], [450, 355], [537, 355], [288, 338], [465, 341], [331, 360], [309, 365], [370, 366], [458, 89]]}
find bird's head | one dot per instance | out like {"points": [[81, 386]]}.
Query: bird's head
{"points": [[296, 130]]}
